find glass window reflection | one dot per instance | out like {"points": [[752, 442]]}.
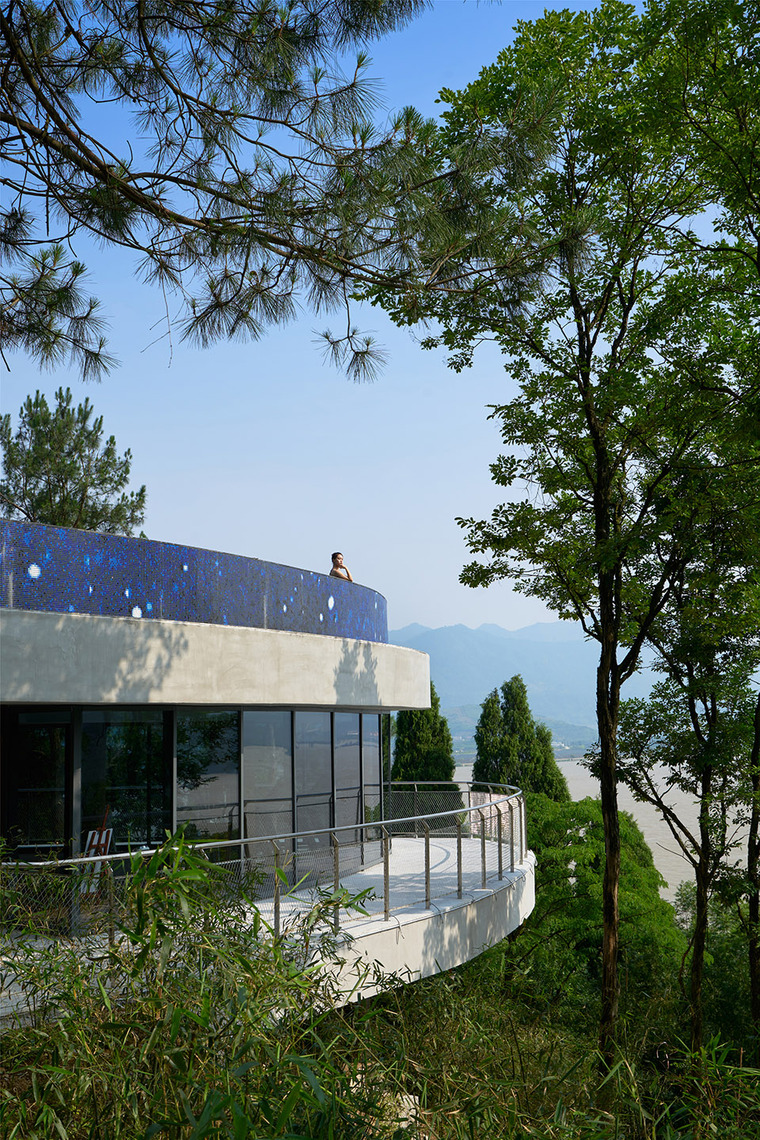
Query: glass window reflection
{"points": [[208, 774], [34, 782], [126, 776], [313, 742], [267, 774], [348, 800]]}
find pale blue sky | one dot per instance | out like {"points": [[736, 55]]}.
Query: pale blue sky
{"points": [[260, 449]]}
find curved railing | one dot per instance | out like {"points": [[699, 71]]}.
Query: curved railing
{"points": [[457, 840]]}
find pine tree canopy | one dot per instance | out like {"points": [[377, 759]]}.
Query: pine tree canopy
{"points": [[221, 141], [512, 748], [424, 748], [57, 470]]}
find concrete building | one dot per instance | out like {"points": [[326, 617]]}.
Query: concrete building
{"points": [[146, 685]]}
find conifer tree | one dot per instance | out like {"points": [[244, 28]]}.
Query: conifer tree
{"points": [[512, 748], [240, 164], [424, 748], [58, 470]]}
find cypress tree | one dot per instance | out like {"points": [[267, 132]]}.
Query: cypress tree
{"points": [[512, 748], [424, 748]]}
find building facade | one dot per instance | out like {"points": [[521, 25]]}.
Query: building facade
{"points": [[146, 685]]}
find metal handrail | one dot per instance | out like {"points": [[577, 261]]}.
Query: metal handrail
{"points": [[487, 826], [280, 836]]}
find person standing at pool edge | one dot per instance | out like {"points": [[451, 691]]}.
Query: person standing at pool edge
{"points": [[338, 569]]}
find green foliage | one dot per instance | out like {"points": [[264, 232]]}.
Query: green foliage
{"points": [[699, 80], [253, 171], [424, 749], [57, 469], [699, 731], [632, 347], [195, 1023], [483, 1062], [726, 984], [512, 748], [561, 944], [43, 311], [198, 1023]]}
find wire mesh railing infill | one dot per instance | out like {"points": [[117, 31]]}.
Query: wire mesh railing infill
{"points": [[434, 840]]}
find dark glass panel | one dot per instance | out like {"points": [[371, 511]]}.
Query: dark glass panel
{"points": [[371, 761], [208, 774], [267, 774], [385, 736], [348, 802], [125, 776], [34, 759], [373, 798], [313, 772]]}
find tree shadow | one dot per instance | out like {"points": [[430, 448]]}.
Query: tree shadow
{"points": [[355, 675], [84, 659]]}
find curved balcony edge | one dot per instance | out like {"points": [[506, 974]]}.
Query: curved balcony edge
{"points": [[402, 898]]}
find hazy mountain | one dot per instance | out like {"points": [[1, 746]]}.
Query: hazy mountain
{"points": [[555, 661]]}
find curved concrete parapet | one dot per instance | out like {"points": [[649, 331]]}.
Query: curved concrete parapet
{"points": [[58, 570], [418, 942], [70, 659]]}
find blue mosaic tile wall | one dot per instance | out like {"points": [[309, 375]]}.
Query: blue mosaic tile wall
{"points": [[75, 571]]}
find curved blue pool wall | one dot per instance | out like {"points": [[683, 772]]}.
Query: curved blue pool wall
{"points": [[59, 570]]}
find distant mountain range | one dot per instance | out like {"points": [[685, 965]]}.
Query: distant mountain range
{"points": [[554, 660]]}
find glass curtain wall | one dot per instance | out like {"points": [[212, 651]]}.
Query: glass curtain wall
{"points": [[371, 763], [313, 755], [305, 770], [372, 785], [35, 768], [126, 775], [348, 789], [267, 774], [208, 774]]}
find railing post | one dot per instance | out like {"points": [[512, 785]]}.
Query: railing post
{"points": [[276, 889], [459, 858], [336, 879], [482, 847], [524, 830], [110, 895], [427, 865], [498, 839], [511, 836], [386, 874], [416, 811]]}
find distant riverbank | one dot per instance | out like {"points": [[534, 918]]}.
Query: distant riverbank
{"points": [[671, 864]]}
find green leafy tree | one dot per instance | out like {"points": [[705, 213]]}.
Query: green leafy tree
{"points": [[561, 945], [699, 732], [512, 748], [424, 749], [622, 355], [57, 469], [237, 161], [725, 991], [694, 739], [699, 80]]}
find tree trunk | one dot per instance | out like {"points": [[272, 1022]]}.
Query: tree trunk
{"points": [[698, 947], [607, 709], [753, 875], [702, 882]]}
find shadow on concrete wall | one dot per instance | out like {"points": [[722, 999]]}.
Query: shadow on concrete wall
{"points": [[118, 661], [355, 675]]}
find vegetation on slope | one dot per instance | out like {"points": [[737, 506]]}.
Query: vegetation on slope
{"points": [[196, 1023]]}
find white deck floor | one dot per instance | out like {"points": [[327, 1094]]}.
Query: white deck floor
{"points": [[416, 940]]}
